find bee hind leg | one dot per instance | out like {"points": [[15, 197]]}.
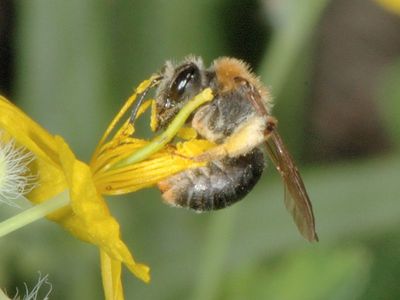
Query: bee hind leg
{"points": [[248, 136]]}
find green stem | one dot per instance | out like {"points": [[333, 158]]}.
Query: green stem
{"points": [[33, 214], [288, 42], [160, 141]]}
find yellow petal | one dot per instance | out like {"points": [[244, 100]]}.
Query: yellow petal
{"points": [[27, 132], [88, 217], [34, 138], [391, 5], [111, 276], [91, 220]]}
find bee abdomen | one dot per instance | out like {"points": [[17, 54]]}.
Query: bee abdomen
{"points": [[215, 186]]}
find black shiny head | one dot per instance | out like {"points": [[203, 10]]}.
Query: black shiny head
{"points": [[179, 85]]}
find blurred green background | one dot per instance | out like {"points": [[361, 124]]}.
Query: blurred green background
{"points": [[334, 70]]}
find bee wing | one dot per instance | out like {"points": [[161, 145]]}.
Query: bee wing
{"points": [[296, 198]]}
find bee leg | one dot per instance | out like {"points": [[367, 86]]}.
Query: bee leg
{"points": [[272, 123], [247, 137], [136, 106]]}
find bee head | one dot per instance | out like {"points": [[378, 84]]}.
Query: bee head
{"points": [[179, 84]]}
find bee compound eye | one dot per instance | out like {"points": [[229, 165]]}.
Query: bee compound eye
{"points": [[187, 82]]}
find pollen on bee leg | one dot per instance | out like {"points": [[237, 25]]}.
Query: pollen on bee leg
{"points": [[164, 185], [16, 178], [169, 197], [168, 192]]}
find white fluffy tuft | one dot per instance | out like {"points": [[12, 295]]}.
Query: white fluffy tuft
{"points": [[16, 178]]}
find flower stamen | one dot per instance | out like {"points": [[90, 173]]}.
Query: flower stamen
{"points": [[160, 141]]}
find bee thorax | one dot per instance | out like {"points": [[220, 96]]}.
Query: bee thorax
{"points": [[222, 117]]}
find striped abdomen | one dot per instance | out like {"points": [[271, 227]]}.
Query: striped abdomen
{"points": [[215, 186]]}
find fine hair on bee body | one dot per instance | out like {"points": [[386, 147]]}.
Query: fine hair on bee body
{"points": [[238, 120]]}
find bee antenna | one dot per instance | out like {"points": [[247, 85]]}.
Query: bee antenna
{"points": [[139, 102]]}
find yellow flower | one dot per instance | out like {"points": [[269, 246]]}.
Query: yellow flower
{"points": [[391, 5], [120, 164]]}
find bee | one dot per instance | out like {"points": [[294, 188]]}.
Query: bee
{"points": [[239, 121]]}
